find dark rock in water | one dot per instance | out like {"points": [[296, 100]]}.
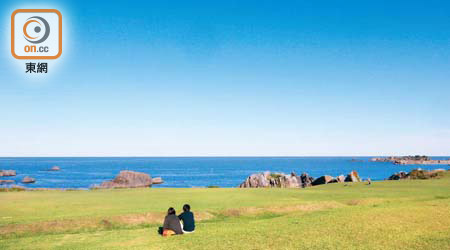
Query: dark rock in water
{"points": [[55, 168], [322, 180], [7, 173], [272, 180], [157, 180], [6, 181], [28, 180], [353, 177], [129, 179]]}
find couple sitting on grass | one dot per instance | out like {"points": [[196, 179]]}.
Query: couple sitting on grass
{"points": [[183, 223]]}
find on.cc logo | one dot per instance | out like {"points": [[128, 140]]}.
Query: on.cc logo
{"points": [[36, 34], [38, 24]]}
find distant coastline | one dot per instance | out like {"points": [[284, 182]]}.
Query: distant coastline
{"points": [[411, 160]]}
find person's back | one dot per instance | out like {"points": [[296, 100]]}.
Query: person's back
{"points": [[187, 217], [171, 222]]}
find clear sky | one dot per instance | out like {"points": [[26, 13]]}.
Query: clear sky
{"points": [[232, 78]]}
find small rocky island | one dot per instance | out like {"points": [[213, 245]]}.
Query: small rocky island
{"points": [[7, 173], [131, 179], [411, 160]]}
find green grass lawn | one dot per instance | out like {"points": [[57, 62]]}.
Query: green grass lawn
{"points": [[385, 215]]}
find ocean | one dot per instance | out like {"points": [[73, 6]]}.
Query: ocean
{"points": [[182, 172]]}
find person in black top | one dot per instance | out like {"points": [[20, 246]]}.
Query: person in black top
{"points": [[171, 222], [187, 217]]}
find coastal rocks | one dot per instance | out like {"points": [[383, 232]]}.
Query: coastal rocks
{"points": [[256, 181], [418, 174], [338, 179], [6, 182], [409, 160], [306, 180], [322, 180], [55, 168], [290, 181], [382, 159], [157, 180], [269, 180], [352, 177], [7, 173], [28, 180], [424, 174], [129, 179], [279, 180], [398, 176]]}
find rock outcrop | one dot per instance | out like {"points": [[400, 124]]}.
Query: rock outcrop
{"points": [[325, 179], [306, 180], [352, 177], [256, 181], [269, 180], [55, 168], [411, 160], [157, 180], [338, 179], [7, 173], [417, 174], [28, 180], [398, 176], [129, 179]]}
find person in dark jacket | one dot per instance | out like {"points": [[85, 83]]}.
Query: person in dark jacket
{"points": [[171, 222], [187, 217]]}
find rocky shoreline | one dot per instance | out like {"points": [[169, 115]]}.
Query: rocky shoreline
{"points": [[132, 179], [280, 180], [411, 160]]}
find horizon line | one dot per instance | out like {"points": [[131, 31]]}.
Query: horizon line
{"points": [[221, 156]]}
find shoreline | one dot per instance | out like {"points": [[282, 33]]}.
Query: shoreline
{"points": [[79, 174], [430, 174]]}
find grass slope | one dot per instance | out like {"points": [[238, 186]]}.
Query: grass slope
{"points": [[385, 215]]}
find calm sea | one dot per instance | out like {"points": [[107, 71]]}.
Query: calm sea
{"points": [[190, 171]]}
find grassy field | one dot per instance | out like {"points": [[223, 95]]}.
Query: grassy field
{"points": [[384, 215]]}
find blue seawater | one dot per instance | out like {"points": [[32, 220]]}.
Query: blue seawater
{"points": [[83, 172]]}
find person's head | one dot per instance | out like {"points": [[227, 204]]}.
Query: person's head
{"points": [[186, 207], [171, 211]]}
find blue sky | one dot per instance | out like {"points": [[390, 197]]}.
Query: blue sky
{"points": [[231, 78]]}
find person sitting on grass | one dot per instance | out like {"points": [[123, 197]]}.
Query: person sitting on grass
{"points": [[187, 217], [172, 224]]}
